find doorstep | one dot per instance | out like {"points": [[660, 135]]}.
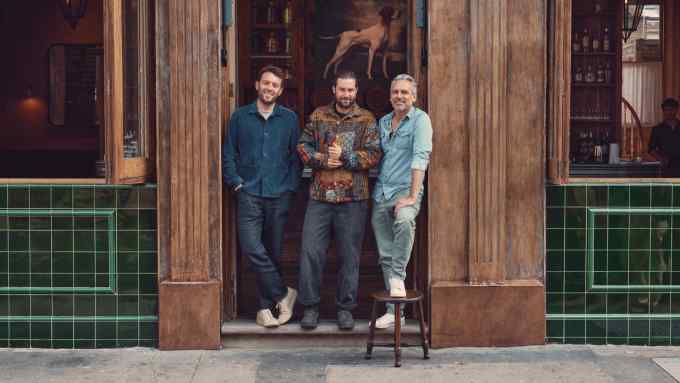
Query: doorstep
{"points": [[244, 333]]}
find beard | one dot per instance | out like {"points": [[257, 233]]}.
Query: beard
{"points": [[345, 102], [267, 98], [399, 106]]}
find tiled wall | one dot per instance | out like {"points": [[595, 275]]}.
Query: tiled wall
{"points": [[78, 266], [613, 264]]}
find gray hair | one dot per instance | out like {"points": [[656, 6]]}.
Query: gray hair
{"points": [[409, 78]]}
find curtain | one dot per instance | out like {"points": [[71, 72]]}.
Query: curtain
{"points": [[643, 88]]}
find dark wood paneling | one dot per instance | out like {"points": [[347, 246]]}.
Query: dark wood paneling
{"points": [[189, 96], [487, 316]]}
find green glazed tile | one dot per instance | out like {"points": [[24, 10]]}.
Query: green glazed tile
{"points": [[62, 223], [62, 197], [638, 303], [600, 278], [40, 223], [148, 284], [574, 303], [41, 241], [4, 333], [676, 195], [147, 198], [574, 281], [127, 262], [63, 330], [41, 280], [19, 330], [62, 240], [659, 341], [661, 328], [619, 278], [101, 241], [128, 219], [660, 303], [106, 343], [600, 241], [554, 282], [84, 343], [62, 280], [618, 260], [575, 260], [4, 240], [662, 196], [574, 328], [128, 241], [84, 241], [148, 262], [18, 223], [106, 305], [147, 241], [617, 239], [601, 221], [104, 198], [19, 305], [600, 258], [555, 217], [597, 196], [638, 328], [18, 198], [62, 262], [84, 223], [617, 303], [19, 280], [84, 280], [19, 262], [640, 221], [41, 343], [41, 305], [148, 330], [19, 343], [675, 260], [148, 304], [102, 280], [128, 198], [555, 328], [554, 261], [4, 308], [84, 329], [83, 197], [84, 262], [127, 330], [147, 220], [128, 304], [63, 305], [619, 221], [575, 218], [4, 222], [596, 329], [640, 196], [101, 260], [84, 306], [639, 239], [126, 343], [576, 196], [555, 239], [149, 343], [105, 330], [619, 196], [596, 341], [4, 261], [3, 197], [596, 303], [617, 328], [555, 196], [575, 239], [40, 198]]}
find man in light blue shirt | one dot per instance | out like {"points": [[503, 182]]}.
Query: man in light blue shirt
{"points": [[406, 140]]}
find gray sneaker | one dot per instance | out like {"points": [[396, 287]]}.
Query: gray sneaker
{"points": [[310, 319], [345, 320]]}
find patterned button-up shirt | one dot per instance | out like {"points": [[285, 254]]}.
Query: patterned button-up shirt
{"points": [[357, 135]]}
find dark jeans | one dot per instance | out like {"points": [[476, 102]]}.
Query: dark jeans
{"points": [[261, 222], [348, 222]]}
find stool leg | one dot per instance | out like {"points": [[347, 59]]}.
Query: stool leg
{"points": [[371, 332], [423, 332], [397, 335]]}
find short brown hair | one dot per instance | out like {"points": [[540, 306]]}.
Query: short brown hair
{"points": [[273, 69], [346, 75]]}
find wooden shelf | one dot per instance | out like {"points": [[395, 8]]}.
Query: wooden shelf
{"points": [[272, 57], [272, 26], [593, 54], [592, 85], [592, 120]]}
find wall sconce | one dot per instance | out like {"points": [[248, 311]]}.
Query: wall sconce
{"points": [[632, 13], [73, 11]]}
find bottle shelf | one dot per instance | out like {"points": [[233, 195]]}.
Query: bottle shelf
{"points": [[272, 26], [593, 54], [592, 120], [592, 85]]}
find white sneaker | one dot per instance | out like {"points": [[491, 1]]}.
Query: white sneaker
{"points": [[266, 319], [387, 320], [397, 288], [286, 306]]}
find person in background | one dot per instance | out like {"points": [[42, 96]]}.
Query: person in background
{"points": [[664, 144], [260, 164]]}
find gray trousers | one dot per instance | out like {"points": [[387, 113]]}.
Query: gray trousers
{"points": [[394, 236]]}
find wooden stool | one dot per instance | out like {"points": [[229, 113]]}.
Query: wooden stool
{"points": [[412, 296]]}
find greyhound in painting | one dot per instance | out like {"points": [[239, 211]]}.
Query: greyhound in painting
{"points": [[374, 37]]}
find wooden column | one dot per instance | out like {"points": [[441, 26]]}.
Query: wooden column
{"points": [[189, 97], [671, 46], [487, 89]]}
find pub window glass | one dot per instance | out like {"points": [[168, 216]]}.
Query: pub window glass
{"points": [[135, 121]]}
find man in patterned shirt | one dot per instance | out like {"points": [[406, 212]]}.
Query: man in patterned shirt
{"points": [[340, 143]]}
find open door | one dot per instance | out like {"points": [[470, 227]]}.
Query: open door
{"points": [[128, 107]]}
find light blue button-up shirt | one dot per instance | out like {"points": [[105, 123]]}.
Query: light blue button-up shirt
{"points": [[408, 148]]}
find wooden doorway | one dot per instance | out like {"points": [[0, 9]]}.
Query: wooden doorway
{"points": [[296, 25]]}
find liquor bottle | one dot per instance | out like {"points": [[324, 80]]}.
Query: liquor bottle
{"points": [[271, 12], [597, 149], [578, 75], [597, 6], [606, 43], [272, 43], [287, 16], [605, 148], [576, 43], [590, 74], [608, 73], [595, 43], [600, 73], [585, 41], [288, 43]]}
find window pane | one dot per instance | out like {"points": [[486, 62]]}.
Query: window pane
{"points": [[134, 122]]}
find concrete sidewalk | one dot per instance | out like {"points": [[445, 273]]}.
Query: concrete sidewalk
{"points": [[544, 364]]}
